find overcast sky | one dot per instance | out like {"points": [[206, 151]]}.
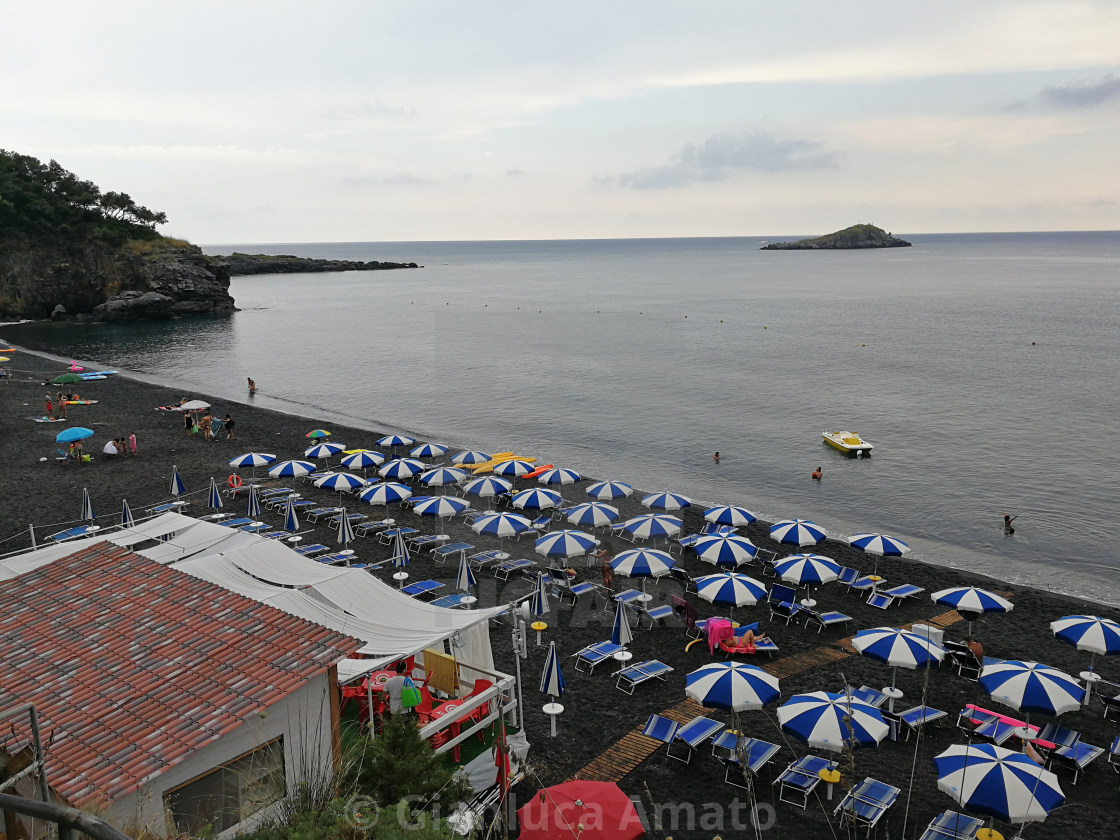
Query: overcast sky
{"points": [[352, 121]]}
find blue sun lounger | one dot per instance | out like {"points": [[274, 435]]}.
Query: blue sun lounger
{"points": [[592, 655], [919, 716], [73, 533], [419, 541], [255, 527], [308, 550], [236, 523], [757, 755], [336, 558], [422, 587], [824, 619], [801, 778], [866, 803], [635, 675], [364, 529], [949, 825], [872, 697], [692, 735], [319, 513], [450, 601], [661, 728], [386, 537], [1075, 757], [481, 559], [504, 570], [450, 550]]}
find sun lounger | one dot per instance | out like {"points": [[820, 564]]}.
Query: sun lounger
{"points": [[949, 825], [880, 600], [364, 529], [683, 578], [904, 590], [848, 575], [255, 527], [74, 533], [578, 590], [801, 778], [320, 513], [274, 535], [354, 518], [422, 587], [635, 675], [920, 716], [509, 567], [870, 696], [1109, 695], [481, 559], [656, 614], [450, 550], [782, 602], [311, 478], [386, 537], [863, 583], [308, 550], [166, 506], [736, 647], [824, 619], [1114, 754], [866, 803], [1075, 757], [421, 541], [236, 523], [692, 735], [592, 655], [661, 729], [756, 753], [336, 558], [450, 601]]}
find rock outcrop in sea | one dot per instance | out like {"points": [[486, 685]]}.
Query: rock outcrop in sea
{"points": [[241, 264], [854, 237]]}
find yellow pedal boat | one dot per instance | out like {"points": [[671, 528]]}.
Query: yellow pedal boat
{"points": [[848, 442]]}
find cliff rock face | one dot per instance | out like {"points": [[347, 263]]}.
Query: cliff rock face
{"points": [[857, 236], [145, 279]]}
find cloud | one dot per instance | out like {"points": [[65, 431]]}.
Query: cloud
{"points": [[1083, 94], [722, 155], [401, 179]]}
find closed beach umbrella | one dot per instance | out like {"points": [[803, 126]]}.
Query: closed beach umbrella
{"points": [[317, 434], [441, 506], [323, 450], [969, 600], [385, 493], [442, 476], [536, 499], [487, 487], [998, 783], [807, 569], [502, 525], [666, 501], [73, 433], [558, 476], [1088, 632], [470, 456], [1032, 687], [653, 525], [879, 544], [214, 498], [538, 601], [593, 514], [513, 469], [609, 490], [732, 686], [729, 515], [345, 533], [341, 482], [728, 550], [395, 440], [552, 680], [291, 469], [363, 460], [402, 469], [797, 532], [177, 487], [399, 558], [827, 721], [252, 459], [621, 634], [127, 519], [565, 544], [898, 648], [730, 589], [291, 521], [87, 506], [429, 450], [254, 509], [464, 577]]}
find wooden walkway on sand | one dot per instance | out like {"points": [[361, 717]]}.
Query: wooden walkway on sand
{"points": [[624, 755]]}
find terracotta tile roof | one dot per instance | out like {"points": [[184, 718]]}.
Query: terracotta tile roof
{"points": [[133, 665]]}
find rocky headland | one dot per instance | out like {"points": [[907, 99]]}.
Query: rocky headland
{"points": [[854, 237], [241, 264]]}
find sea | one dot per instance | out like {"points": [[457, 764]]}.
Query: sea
{"points": [[984, 369]]}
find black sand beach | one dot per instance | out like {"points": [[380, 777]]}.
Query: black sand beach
{"points": [[48, 493]]}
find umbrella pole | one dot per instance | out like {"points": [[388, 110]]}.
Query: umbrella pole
{"points": [[31, 528]]}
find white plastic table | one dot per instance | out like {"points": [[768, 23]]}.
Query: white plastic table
{"points": [[552, 710], [1091, 678], [400, 578], [892, 695]]}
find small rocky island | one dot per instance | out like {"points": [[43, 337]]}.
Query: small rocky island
{"points": [[241, 264], [854, 237]]}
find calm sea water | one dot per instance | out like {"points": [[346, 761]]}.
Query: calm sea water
{"points": [[982, 367]]}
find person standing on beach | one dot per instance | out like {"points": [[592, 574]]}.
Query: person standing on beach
{"points": [[204, 425], [61, 406], [188, 422], [229, 427], [50, 407], [1007, 520]]}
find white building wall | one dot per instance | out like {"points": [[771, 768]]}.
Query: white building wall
{"points": [[303, 719]]}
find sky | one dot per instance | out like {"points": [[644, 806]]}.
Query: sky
{"points": [[257, 122]]}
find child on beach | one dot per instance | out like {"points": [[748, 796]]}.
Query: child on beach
{"points": [[50, 407]]}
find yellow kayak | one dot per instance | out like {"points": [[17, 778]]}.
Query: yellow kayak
{"points": [[500, 458]]}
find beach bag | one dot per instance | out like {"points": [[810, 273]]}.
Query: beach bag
{"points": [[410, 694]]}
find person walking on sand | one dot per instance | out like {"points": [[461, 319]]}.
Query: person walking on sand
{"points": [[229, 427], [1007, 520], [252, 386], [817, 473]]}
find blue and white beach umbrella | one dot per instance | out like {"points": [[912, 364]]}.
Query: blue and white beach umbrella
{"points": [[385, 493], [399, 558], [797, 532], [341, 482], [487, 487], [898, 648], [552, 680], [214, 498], [828, 721], [609, 490], [87, 506], [643, 563], [593, 514], [513, 469], [502, 525], [127, 519], [253, 511], [1032, 687], [565, 544], [727, 550], [442, 476], [730, 589], [1088, 632], [970, 600], [395, 440], [621, 634], [464, 577], [323, 450], [807, 569], [535, 499], [470, 456], [998, 782], [291, 469], [733, 686], [345, 533], [177, 486], [291, 521], [879, 544], [442, 506], [729, 515], [666, 501], [363, 460], [558, 476], [402, 469], [429, 450], [538, 601], [653, 525], [252, 459]]}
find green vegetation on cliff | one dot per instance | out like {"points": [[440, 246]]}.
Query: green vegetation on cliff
{"points": [[854, 237]]}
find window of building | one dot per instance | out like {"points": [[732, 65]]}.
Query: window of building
{"points": [[224, 797]]}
